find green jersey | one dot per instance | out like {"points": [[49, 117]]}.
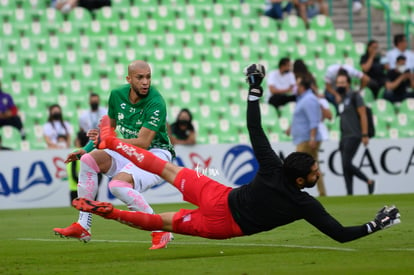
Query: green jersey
{"points": [[150, 112]]}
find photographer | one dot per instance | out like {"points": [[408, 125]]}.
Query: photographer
{"points": [[399, 81]]}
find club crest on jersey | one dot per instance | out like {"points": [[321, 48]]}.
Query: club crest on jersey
{"points": [[120, 116], [130, 152]]}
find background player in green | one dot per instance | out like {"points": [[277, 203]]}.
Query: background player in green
{"points": [[138, 111]]}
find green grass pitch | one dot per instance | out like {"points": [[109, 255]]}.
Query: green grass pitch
{"points": [[28, 246]]}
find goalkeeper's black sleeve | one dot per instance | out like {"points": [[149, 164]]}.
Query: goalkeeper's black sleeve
{"points": [[316, 214]]}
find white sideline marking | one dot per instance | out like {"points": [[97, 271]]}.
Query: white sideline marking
{"points": [[400, 249], [209, 243]]}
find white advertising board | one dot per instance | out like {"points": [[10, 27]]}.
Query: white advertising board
{"points": [[34, 179]]}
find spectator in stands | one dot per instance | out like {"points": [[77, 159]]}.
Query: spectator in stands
{"points": [[330, 77], [399, 81], [308, 9], [182, 130], [354, 130], [276, 8], [281, 84], [305, 124], [373, 65], [65, 6], [9, 113], [89, 119], [400, 48], [301, 71], [57, 132]]}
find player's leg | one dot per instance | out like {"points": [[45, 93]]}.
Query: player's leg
{"points": [[131, 181], [140, 157], [91, 164], [136, 219], [187, 183], [129, 184]]}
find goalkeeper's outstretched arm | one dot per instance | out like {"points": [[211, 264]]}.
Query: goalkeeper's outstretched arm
{"points": [[328, 225]]}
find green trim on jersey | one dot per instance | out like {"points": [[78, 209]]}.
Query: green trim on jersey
{"points": [[150, 112]]}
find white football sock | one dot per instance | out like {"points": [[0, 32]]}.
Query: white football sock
{"points": [[131, 197], [87, 186]]}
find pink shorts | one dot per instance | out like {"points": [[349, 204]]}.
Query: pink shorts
{"points": [[212, 219]]}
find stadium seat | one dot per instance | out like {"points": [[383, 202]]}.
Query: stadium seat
{"points": [[287, 110], [52, 17], [323, 24], [11, 137], [384, 108], [399, 11], [293, 23], [407, 107]]}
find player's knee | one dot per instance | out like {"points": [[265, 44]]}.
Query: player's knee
{"points": [[90, 161], [116, 185]]}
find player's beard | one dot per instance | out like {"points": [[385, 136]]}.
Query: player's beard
{"points": [[139, 94], [310, 184]]}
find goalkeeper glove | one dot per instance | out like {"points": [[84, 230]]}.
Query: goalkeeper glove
{"points": [[385, 218], [254, 77]]}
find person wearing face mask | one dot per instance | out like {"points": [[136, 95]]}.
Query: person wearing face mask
{"points": [[57, 132], [374, 66], [330, 77], [354, 130], [399, 82], [182, 130], [89, 119], [281, 85]]}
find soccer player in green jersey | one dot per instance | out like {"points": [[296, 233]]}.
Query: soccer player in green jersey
{"points": [[138, 111]]}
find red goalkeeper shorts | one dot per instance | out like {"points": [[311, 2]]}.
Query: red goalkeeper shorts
{"points": [[212, 219]]}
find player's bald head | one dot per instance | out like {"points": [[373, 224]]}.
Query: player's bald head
{"points": [[138, 65]]}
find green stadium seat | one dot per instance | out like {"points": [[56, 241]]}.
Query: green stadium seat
{"points": [[293, 23], [52, 17], [407, 107], [343, 40], [331, 52], [11, 137], [35, 134], [403, 120], [383, 108], [108, 17], [9, 31], [265, 24], [80, 16], [121, 3], [322, 24], [8, 5], [398, 11], [34, 4], [367, 95]]}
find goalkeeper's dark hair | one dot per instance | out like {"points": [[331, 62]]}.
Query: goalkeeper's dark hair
{"points": [[297, 165]]}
